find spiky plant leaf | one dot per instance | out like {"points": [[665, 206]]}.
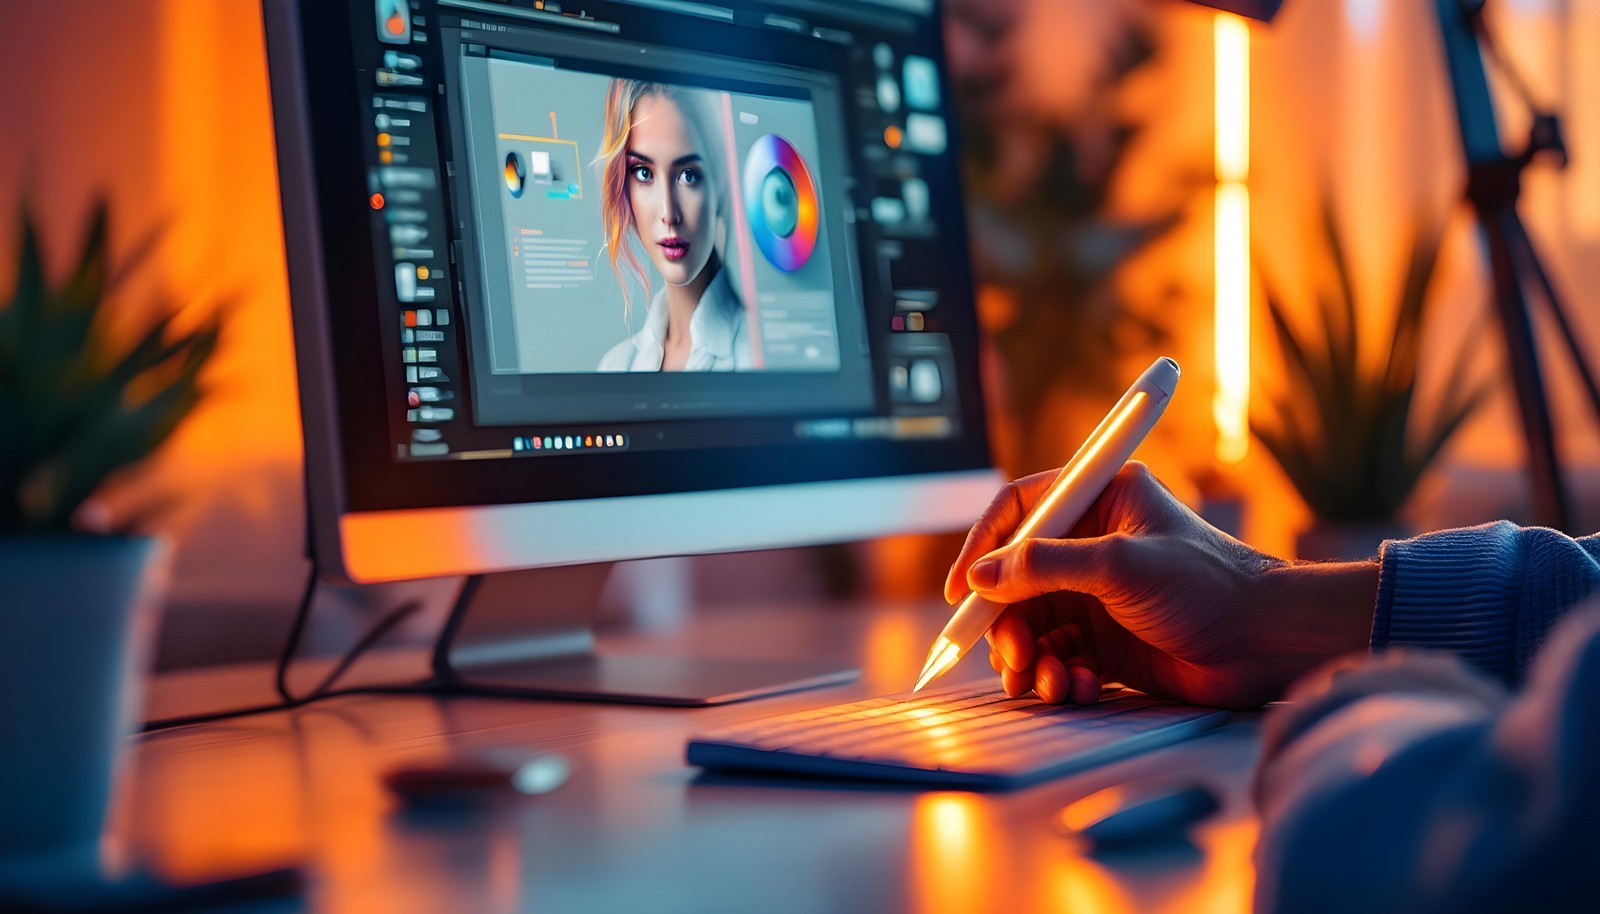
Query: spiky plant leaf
{"points": [[1351, 439], [75, 406]]}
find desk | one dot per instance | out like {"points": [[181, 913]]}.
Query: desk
{"points": [[635, 830]]}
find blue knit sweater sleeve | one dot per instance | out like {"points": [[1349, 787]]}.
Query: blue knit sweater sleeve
{"points": [[1488, 594]]}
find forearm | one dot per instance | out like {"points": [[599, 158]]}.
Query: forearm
{"points": [[1315, 612], [1408, 784], [1488, 595]]}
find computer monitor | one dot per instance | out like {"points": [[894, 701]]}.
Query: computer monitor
{"points": [[593, 280]]}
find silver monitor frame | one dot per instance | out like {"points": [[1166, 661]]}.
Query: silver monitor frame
{"points": [[366, 547], [359, 547]]}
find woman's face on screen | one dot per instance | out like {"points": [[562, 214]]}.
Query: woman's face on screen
{"points": [[673, 210]]}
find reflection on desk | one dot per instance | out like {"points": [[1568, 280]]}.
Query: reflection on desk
{"points": [[634, 828]]}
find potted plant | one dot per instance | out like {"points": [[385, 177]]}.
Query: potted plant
{"points": [[1046, 246], [1346, 428], [75, 606]]}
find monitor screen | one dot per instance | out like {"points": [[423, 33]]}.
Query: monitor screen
{"points": [[622, 248], [643, 246]]}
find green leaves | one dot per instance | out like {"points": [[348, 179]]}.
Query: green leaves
{"points": [[74, 408], [1351, 438]]}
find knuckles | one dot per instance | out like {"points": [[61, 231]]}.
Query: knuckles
{"points": [[1118, 553], [1021, 566]]}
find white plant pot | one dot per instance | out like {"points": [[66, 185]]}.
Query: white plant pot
{"points": [[77, 620]]}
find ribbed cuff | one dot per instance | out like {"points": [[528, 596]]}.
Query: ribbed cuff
{"points": [[1454, 591]]}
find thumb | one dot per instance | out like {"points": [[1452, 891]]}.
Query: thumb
{"points": [[1095, 566]]}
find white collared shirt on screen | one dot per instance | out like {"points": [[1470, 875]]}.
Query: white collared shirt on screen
{"points": [[719, 338]]}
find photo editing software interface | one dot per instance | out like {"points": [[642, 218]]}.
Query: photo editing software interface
{"points": [[595, 236]]}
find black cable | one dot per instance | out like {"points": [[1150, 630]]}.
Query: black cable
{"points": [[323, 689], [189, 720], [377, 631], [291, 647], [296, 632]]}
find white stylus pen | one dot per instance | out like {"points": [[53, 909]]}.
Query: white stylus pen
{"points": [[1080, 482]]}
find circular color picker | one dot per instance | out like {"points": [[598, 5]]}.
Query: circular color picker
{"points": [[781, 202]]}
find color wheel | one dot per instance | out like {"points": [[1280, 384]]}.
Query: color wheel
{"points": [[781, 202], [516, 178]]}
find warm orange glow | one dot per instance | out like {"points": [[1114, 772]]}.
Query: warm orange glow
{"points": [[384, 139], [1227, 879], [891, 645], [1231, 402], [1080, 883], [376, 200], [1083, 813], [892, 135], [422, 272], [952, 853], [1232, 37], [899, 567]]}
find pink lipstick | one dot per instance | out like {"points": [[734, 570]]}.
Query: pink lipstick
{"points": [[674, 248]]}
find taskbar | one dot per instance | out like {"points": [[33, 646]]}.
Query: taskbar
{"points": [[674, 436]]}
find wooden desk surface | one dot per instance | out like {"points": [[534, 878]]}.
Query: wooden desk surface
{"points": [[635, 829]]}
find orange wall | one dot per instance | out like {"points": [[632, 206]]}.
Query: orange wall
{"points": [[164, 107]]}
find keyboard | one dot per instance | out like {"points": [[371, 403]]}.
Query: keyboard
{"points": [[962, 737]]}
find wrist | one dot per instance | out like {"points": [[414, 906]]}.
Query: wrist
{"points": [[1317, 611]]}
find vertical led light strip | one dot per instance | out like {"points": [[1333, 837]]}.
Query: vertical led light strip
{"points": [[1230, 405]]}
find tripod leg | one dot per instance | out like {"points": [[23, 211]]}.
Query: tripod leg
{"points": [[1511, 303], [1529, 264]]}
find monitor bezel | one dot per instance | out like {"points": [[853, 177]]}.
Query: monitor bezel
{"points": [[345, 409]]}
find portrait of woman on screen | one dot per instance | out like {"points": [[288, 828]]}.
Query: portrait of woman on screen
{"points": [[664, 190]]}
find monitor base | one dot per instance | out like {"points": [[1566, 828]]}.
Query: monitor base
{"points": [[646, 679], [530, 634]]}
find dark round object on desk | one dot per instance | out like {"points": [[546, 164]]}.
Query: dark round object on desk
{"points": [[1127, 815], [465, 779]]}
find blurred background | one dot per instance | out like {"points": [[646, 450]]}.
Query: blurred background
{"points": [[1145, 177]]}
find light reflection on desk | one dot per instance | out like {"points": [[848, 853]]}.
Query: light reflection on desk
{"points": [[1227, 882], [305, 788], [951, 841], [635, 829], [1078, 883]]}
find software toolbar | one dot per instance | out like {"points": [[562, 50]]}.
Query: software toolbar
{"points": [[527, 286]]}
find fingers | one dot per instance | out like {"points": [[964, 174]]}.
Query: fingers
{"points": [[1134, 502], [1075, 679], [1051, 680], [1085, 688], [996, 525], [1099, 567], [1055, 681], [1061, 665], [1016, 684], [1013, 640]]}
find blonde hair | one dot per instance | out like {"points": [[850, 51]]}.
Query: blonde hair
{"points": [[616, 210]]}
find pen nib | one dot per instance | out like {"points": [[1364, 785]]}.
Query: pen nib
{"points": [[941, 658]]}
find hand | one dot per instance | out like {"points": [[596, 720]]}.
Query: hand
{"points": [[1145, 593]]}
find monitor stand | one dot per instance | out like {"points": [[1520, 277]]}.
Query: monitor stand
{"points": [[530, 634]]}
